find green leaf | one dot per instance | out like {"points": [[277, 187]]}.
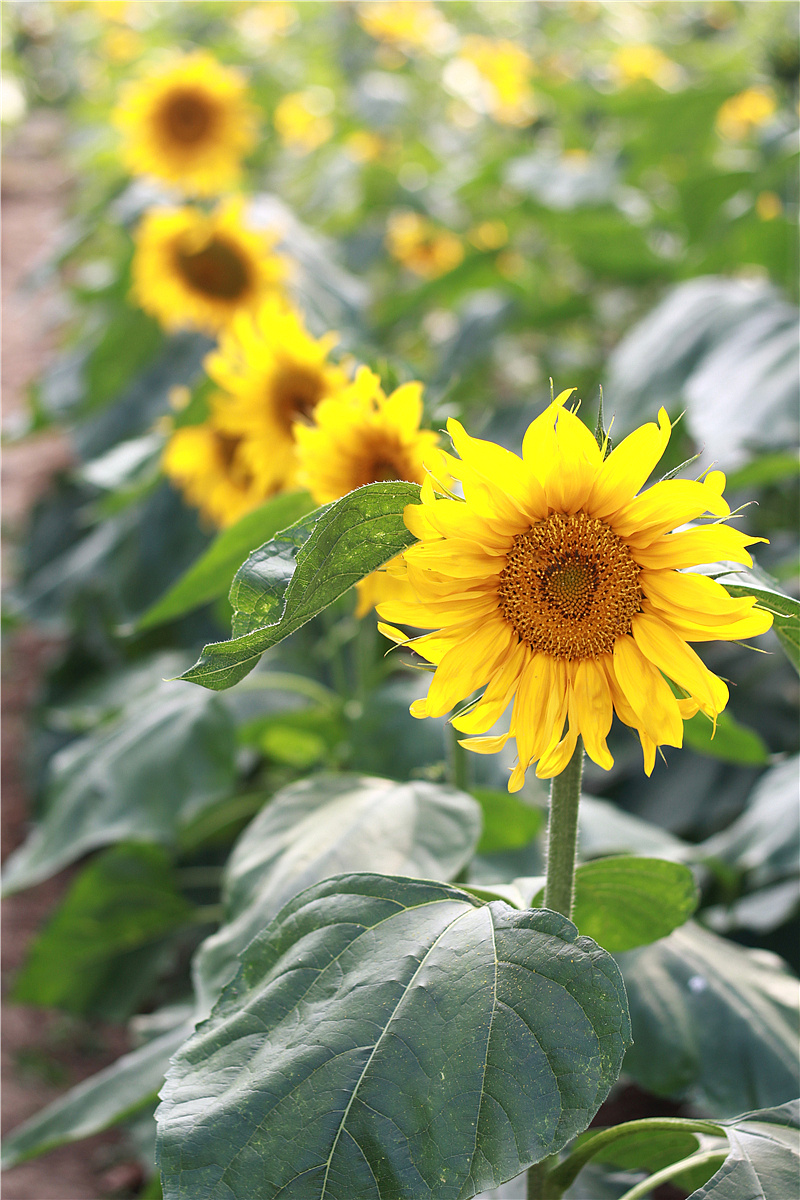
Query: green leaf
{"points": [[140, 777], [119, 1091], [627, 902], [765, 840], [712, 1022], [210, 576], [732, 742], [764, 1157], [389, 1038], [645, 1149], [785, 609], [324, 826], [294, 577], [508, 822], [125, 899]]}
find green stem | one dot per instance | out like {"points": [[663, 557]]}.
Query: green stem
{"points": [[537, 1180], [458, 772], [713, 1158], [567, 1172], [562, 835]]}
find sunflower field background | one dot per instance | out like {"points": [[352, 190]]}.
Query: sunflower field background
{"points": [[302, 239]]}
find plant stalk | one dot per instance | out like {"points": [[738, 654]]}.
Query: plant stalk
{"points": [[458, 772], [562, 835]]}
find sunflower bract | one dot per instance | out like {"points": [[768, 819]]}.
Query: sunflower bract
{"points": [[556, 585]]}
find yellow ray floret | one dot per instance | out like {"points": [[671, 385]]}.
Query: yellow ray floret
{"points": [[196, 270], [360, 436], [273, 374], [206, 463], [188, 122], [557, 586]]}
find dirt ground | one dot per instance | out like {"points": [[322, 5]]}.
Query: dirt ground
{"points": [[43, 1052]]}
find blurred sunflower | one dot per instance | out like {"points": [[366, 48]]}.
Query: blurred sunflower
{"points": [[302, 119], [407, 24], [194, 270], [361, 435], [189, 123], [506, 69], [419, 245], [558, 587], [744, 112], [206, 463], [273, 374]]}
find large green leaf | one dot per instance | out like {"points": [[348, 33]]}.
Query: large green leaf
{"points": [[712, 1021], [325, 826], [119, 1091], [388, 1039], [764, 1157], [210, 576], [295, 576], [85, 960], [785, 609], [140, 777]]}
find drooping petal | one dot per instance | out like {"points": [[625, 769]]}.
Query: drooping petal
{"points": [[593, 710], [670, 653], [648, 694]]}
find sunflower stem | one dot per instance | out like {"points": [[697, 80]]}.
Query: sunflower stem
{"points": [[562, 835], [458, 772]]}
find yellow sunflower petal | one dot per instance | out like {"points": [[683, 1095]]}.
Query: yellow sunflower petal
{"points": [[593, 710], [670, 653], [648, 694], [665, 505], [628, 467], [706, 544]]}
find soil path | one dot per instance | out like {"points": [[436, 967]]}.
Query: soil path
{"points": [[43, 1052]]}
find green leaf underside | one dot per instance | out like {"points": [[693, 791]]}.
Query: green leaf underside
{"points": [[325, 826], [119, 1091], [785, 609], [141, 777], [645, 1149], [627, 902], [294, 577], [763, 1162], [210, 576], [712, 1022], [392, 1039], [731, 741]]}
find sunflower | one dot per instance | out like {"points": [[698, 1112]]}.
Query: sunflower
{"points": [[558, 587], [422, 247], [273, 374], [189, 123], [206, 463], [360, 436], [195, 270]]}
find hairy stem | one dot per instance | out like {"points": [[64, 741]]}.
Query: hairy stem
{"points": [[562, 835]]}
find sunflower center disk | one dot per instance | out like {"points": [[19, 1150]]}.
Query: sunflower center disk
{"points": [[216, 270], [187, 117], [296, 392], [570, 587]]}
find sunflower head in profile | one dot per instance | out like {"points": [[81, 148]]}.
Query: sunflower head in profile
{"points": [[273, 374], [360, 435], [556, 585], [205, 462], [189, 123], [195, 270]]}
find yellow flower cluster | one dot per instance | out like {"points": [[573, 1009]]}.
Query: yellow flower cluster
{"points": [[286, 416], [408, 25], [643, 61]]}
